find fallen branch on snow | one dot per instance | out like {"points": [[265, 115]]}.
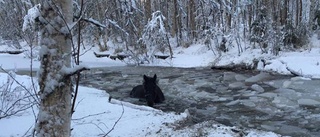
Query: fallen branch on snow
{"points": [[11, 52], [101, 55], [116, 122], [161, 56], [233, 67], [119, 56], [293, 72]]}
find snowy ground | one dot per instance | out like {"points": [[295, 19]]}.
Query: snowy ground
{"points": [[95, 116]]}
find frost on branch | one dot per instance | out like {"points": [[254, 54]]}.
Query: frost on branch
{"points": [[30, 19]]}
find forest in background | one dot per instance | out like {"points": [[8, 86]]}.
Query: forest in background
{"points": [[145, 27]]}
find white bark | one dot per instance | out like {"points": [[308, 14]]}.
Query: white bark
{"points": [[54, 118]]}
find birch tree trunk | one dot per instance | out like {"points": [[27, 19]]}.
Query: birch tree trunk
{"points": [[54, 117]]}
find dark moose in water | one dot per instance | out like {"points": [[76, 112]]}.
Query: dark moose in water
{"points": [[148, 91]]}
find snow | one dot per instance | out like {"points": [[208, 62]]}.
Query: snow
{"points": [[300, 60], [95, 116], [96, 22], [194, 56], [29, 19], [67, 71], [108, 113], [11, 62]]}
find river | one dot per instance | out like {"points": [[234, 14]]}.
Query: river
{"points": [[282, 104]]}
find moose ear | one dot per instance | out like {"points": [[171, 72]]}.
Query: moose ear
{"points": [[155, 76], [144, 77]]}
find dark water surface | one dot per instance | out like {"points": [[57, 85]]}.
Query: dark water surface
{"points": [[281, 104]]}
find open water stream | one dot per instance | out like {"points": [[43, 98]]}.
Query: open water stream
{"points": [[281, 104]]}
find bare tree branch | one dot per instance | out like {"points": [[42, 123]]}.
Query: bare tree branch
{"points": [[77, 61], [75, 71], [25, 88], [90, 20], [89, 116], [115, 123], [12, 52]]}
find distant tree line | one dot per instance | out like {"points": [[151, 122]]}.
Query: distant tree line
{"points": [[273, 25]]}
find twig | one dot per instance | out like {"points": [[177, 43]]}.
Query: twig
{"points": [[35, 120], [89, 116], [30, 41], [20, 85], [90, 21], [25, 134], [11, 108], [115, 123], [31, 69], [84, 52], [77, 61], [78, 103], [77, 71], [97, 125]]}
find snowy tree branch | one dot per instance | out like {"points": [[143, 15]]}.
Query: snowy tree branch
{"points": [[90, 20], [72, 71]]}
